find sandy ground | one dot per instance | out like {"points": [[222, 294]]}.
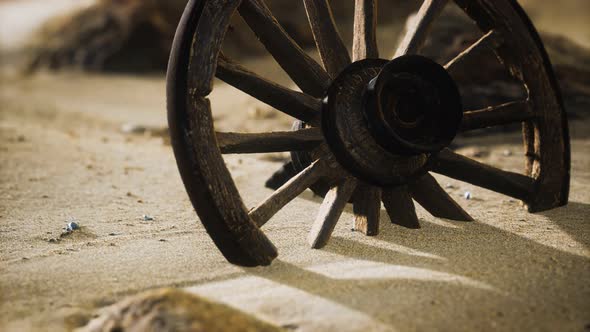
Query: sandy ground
{"points": [[64, 157]]}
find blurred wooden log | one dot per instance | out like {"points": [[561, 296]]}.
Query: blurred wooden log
{"points": [[136, 35]]}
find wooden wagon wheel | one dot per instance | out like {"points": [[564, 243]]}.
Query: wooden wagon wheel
{"points": [[373, 129]]}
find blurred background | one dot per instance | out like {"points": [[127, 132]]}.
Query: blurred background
{"points": [[133, 37], [130, 35]]}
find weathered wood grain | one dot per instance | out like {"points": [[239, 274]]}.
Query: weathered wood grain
{"points": [[222, 211], [459, 167], [330, 211], [332, 50], [400, 207], [508, 113], [284, 141], [491, 40], [367, 208], [364, 45], [547, 137], [309, 76], [287, 192], [293, 103], [416, 35], [212, 27]]}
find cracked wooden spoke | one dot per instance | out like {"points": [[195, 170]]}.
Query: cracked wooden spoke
{"points": [[428, 193], [330, 212], [303, 70], [400, 207], [287, 192], [285, 141], [293, 103], [366, 208], [458, 167], [415, 36], [512, 112], [364, 45], [327, 38], [490, 40]]}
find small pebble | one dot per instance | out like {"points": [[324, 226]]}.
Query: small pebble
{"points": [[450, 186], [162, 240], [72, 226], [147, 218], [507, 153], [467, 195]]}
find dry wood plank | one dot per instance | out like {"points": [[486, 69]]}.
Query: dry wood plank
{"points": [[400, 207], [287, 192], [282, 141], [490, 40], [212, 27], [416, 35], [309, 75], [459, 167], [428, 193], [293, 103], [327, 38], [366, 208], [364, 45], [512, 112], [330, 211]]}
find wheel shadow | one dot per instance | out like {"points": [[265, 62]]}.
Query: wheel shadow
{"points": [[475, 271], [574, 219]]}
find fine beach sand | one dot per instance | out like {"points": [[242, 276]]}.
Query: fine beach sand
{"points": [[67, 154], [64, 156]]}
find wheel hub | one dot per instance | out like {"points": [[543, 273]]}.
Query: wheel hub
{"points": [[382, 120]]}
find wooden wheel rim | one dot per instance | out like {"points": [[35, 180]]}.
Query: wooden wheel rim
{"points": [[209, 183]]}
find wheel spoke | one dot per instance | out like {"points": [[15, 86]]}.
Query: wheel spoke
{"points": [[296, 104], [490, 40], [285, 141], [303, 70], [330, 212], [400, 207], [428, 193], [458, 167], [366, 208], [365, 30], [330, 45], [287, 192], [415, 36], [512, 112]]}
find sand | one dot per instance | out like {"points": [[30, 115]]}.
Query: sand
{"points": [[64, 157]]}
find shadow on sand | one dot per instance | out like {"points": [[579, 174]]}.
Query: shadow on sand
{"points": [[482, 273]]}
